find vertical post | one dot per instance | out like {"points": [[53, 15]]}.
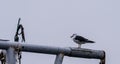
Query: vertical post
{"points": [[59, 58], [102, 61], [10, 55]]}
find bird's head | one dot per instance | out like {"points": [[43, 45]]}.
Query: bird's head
{"points": [[73, 35]]}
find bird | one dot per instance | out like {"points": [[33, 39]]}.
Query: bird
{"points": [[80, 40]]}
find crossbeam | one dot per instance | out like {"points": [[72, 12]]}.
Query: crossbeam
{"points": [[68, 51]]}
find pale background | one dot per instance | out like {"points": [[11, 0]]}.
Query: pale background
{"points": [[52, 22]]}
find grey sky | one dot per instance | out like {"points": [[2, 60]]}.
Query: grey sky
{"points": [[52, 22]]}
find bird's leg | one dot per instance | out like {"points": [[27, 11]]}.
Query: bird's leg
{"points": [[79, 45]]}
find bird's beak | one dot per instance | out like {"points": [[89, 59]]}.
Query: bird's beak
{"points": [[71, 36]]}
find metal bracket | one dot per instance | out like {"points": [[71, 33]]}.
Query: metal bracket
{"points": [[102, 61]]}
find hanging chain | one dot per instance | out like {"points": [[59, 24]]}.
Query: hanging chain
{"points": [[16, 39], [18, 49], [2, 57]]}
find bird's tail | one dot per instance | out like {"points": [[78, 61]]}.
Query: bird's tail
{"points": [[89, 41]]}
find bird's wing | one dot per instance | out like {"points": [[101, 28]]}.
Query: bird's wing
{"points": [[80, 38]]}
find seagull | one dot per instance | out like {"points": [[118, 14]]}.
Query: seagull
{"points": [[80, 40]]}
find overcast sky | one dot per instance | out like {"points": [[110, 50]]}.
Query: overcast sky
{"points": [[52, 22]]}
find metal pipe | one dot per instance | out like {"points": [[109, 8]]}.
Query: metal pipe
{"points": [[10, 56], [69, 51], [59, 58]]}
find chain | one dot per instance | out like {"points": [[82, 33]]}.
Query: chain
{"points": [[2, 57], [16, 39]]}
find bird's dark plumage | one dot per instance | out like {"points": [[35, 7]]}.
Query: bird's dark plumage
{"points": [[80, 40]]}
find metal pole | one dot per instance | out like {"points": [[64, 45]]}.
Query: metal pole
{"points": [[72, 52], [59, 58], [10, 56]]}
